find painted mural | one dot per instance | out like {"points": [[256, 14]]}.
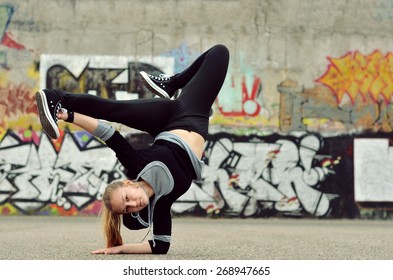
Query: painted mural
{"points": [[292, 157], [246, 176]]}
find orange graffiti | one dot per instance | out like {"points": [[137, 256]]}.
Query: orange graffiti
{"points": [[357, 74], [59, 141]]}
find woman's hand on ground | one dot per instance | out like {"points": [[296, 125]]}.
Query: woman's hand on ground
{"points": [[107, 251]]}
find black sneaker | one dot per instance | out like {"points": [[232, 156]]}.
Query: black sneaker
{"points": [[49, 104], [161, 85]]}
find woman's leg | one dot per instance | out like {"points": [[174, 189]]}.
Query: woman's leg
{"points": [[165, 86], [148, 115], [202, 81], [201, 84], [144, 114]]}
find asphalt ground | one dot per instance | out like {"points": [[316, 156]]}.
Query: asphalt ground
{"points": [[73, 238]]}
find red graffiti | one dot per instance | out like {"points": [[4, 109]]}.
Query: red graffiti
{"points": [[250, 106], [9, 42], [18, 100]]}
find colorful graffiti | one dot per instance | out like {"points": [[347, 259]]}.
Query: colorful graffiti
{"points": [[357, 74], [243, 177], [105, 76], [250, 106], [248, 176], [318, 110], [34, 175], [277, 156], [183, 56], [262, 176], [6, 13]]}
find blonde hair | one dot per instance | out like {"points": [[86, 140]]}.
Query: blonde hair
{"points": [[111, 220]]}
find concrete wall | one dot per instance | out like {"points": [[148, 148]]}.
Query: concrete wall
{"points": [[302, 126]]}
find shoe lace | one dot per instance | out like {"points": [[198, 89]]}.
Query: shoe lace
{"points": [[161, 77], [57, 109]]}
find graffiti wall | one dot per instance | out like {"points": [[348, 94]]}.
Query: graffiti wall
{"points": [[277, 146]]}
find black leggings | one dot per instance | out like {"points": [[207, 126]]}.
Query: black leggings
{"points": [[200, 84]]}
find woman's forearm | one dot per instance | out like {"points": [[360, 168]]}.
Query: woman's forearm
{"points": [[87, 123], [139, 248], [98, 128]]}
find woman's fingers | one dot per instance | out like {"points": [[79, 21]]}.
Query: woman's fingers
{"points": [[62, 114], [100, 251]]}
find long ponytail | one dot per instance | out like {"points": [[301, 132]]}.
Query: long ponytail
{"points": [[111, 220]]}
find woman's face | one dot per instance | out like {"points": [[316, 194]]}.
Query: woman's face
{"points": [[129, 198]]}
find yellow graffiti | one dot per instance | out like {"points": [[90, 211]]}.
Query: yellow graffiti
{"points": [[33, 72], [356, 74], [3, 131], [3, 78], [8, 209], [240, 121]]}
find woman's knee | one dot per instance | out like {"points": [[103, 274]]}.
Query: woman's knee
{"points": [[222, 49]]}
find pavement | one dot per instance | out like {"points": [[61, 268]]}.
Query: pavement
{"points": [[199, 238]]}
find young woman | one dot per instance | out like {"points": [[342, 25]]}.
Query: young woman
{"points": [[161, 173]]}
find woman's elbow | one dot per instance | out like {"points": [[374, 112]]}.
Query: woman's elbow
{"points": [[159, 247]]}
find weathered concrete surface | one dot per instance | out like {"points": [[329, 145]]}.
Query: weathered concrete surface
{"points": [[277, 38], [73, 238]]}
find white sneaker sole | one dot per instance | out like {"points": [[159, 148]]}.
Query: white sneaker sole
{"points": [[47, 122], [153, 87]]}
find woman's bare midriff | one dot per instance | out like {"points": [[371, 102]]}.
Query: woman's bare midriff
{"points": [[193, 139]]}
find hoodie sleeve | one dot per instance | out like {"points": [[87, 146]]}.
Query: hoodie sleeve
{"points": [[162, 227], [124, 151]]}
